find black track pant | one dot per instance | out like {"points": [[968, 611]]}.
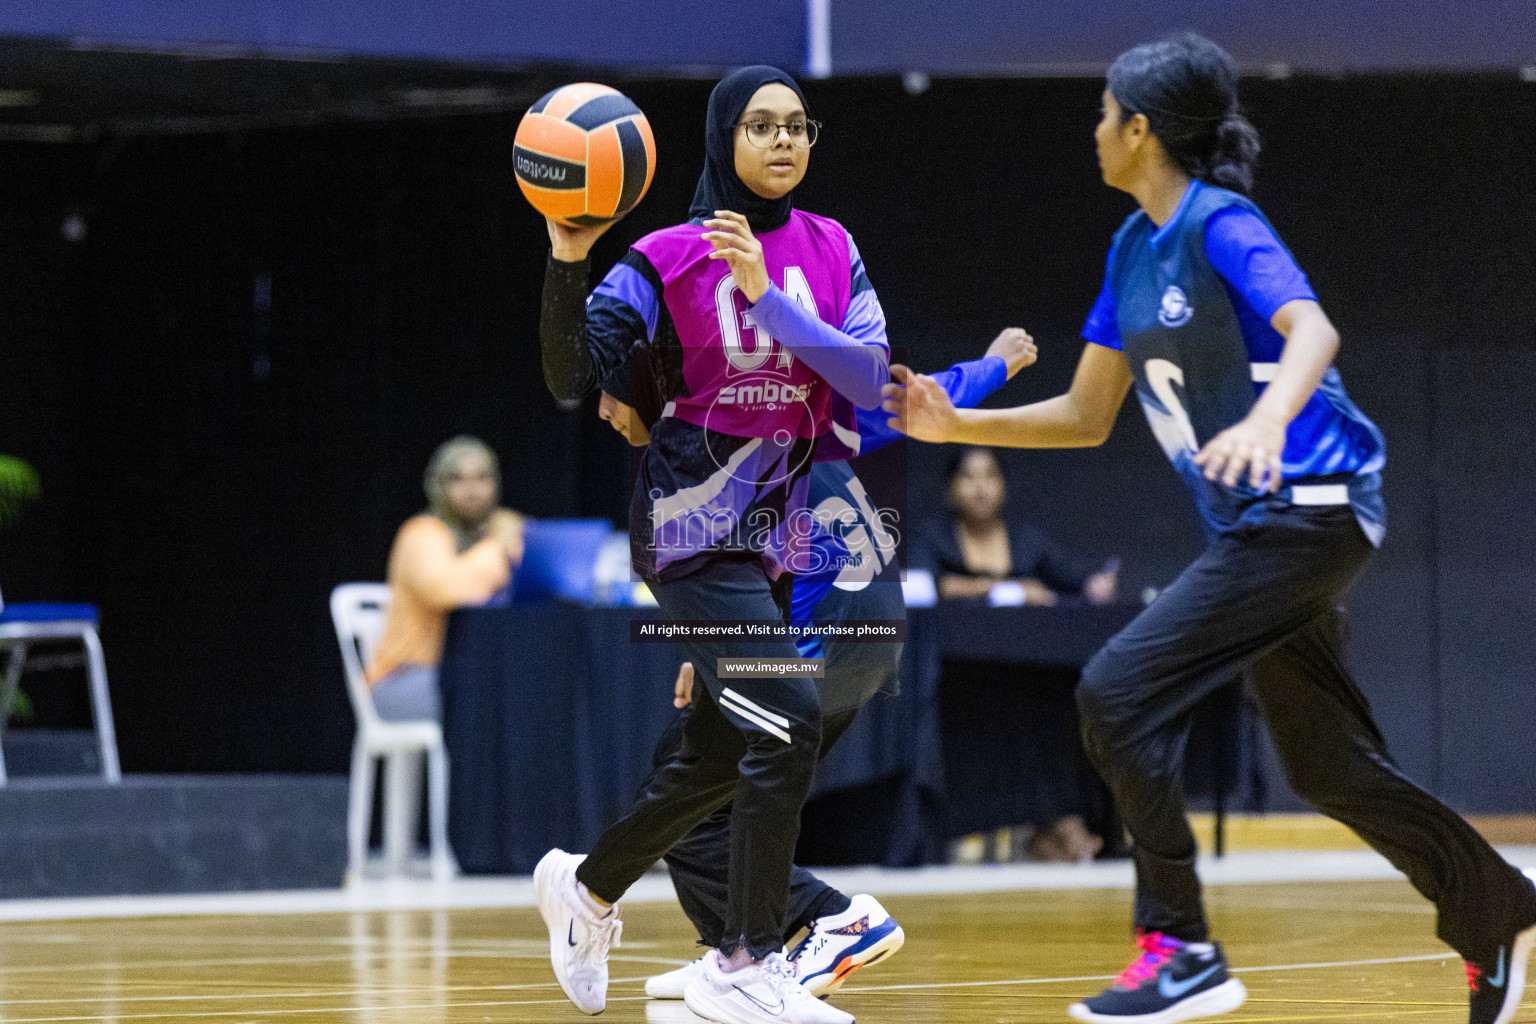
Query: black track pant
{"points": [[854, 673], [699, 864], [752, 743], [1264, 596]]}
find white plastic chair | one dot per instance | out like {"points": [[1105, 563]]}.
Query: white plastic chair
{"points": [[358, 611], [25, 623]]}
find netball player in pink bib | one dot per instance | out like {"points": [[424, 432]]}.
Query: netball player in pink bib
{"points": [[764, 335]]}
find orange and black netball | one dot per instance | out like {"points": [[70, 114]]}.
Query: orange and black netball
{"points": [[584, 154]]}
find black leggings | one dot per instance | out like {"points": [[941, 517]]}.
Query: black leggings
{"points": [[750, 743], [1264, 596]]}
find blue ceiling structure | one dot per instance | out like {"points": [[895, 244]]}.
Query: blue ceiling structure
{"points": [[852, 37]]}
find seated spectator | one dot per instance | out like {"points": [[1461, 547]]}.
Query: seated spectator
{"points": [[460, 552], [1023, 765], [976, 549]]}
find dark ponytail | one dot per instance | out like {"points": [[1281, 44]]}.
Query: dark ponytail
{"points": [[1186, 86], [1236, 155]]}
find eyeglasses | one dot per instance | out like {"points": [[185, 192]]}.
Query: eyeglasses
{"points": [[762, 134]]}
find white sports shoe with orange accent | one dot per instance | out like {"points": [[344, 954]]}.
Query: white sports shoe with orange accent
{"points": [[839, 944]]}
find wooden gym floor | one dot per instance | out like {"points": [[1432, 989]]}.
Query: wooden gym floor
{"points": [[1308, 951]]}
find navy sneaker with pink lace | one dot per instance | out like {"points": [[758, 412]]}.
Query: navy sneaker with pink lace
{"points": [[1498, 981], [1170, 981]]}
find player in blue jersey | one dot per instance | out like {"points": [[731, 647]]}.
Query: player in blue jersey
{"points": [[1205, 313], [850, 574]]}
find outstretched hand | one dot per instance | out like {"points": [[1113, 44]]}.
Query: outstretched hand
{"points": [[919, 406], [1015, 347], [734, 242]]}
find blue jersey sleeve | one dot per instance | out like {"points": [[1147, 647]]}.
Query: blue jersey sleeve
{"points": [[854, 356], [966, 384], [864, 319], [631, 289], [1245, 252], [622, 311], [1102, 328]]}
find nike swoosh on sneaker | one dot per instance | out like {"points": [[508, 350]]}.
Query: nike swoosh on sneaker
{"points": [[1170, 989], [570, 934], [775, 1010], [1497, 981]]}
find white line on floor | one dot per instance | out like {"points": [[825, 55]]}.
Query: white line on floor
{"points": [[497, 893], [378, 1008], [334, 994], [1422, 958], [360, 954]]}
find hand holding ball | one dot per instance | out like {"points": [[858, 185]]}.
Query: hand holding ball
{"points": [[584, 155]]}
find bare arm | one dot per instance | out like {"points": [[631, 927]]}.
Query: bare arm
{"points": [[1081, 418], [506, 528], [1256, 443], [952, 586], [425, 562]]}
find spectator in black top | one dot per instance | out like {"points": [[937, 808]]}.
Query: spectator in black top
{"points": [[975, 549], [1021, 765]]}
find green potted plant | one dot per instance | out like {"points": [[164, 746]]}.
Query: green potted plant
{"points": [[18, 486]]}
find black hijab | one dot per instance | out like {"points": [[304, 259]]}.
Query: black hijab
{"points": [[719, 186]]}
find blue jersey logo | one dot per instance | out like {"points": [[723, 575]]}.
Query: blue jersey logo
{"points": [[1175, 310]]}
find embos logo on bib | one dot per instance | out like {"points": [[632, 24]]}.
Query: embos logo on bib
{"points": [[1175, 309], [770, 393]]}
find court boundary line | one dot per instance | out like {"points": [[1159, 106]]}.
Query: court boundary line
{"points": [[255, 961], [500, 893], [444, 1005], [340, 993]]}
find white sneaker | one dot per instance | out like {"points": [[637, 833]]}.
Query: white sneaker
{"points": [[578, 938], [839, 944], [762, 993], [671, 984], [659, 1011]]}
